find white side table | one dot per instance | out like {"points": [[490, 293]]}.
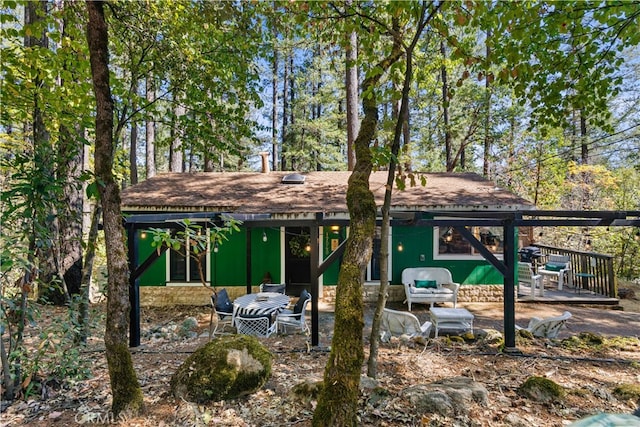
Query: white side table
{"points": [[451, 318]]}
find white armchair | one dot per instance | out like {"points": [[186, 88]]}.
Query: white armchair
{"points": [[296, 318], [428, 285], [399, 323], [546, 328], [527, 278]]}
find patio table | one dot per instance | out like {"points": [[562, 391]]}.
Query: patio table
{"points": [[262, 303], [451, 318]]}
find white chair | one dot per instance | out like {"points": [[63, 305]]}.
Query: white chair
{"points": [[527, 278], [399, 323], [221, 313], [257, 326], [428, 285], [296, 318], [546, 328], [557, 267]]}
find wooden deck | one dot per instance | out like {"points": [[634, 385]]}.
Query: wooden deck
{"points": [[567, 295]]}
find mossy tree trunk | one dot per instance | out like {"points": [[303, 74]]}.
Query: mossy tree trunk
{"points": [[338, 401], [401, 124], [125, 389]]}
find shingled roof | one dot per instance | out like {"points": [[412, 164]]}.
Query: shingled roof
{"points": [[259, 193]]}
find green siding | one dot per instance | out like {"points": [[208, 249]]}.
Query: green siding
{"points": [[155, 275], [419, 240], [229, 264], [265, 256], [330, 276]]}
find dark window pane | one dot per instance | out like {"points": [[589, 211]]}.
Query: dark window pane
{"points": [[194, 273], [375, 259], [177, 267], [452, 242]]}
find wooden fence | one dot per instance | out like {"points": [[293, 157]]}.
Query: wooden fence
{"points": [[589, 271]]}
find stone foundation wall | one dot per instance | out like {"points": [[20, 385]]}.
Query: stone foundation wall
{"points": [[467, 293], [481, 293], [161, 296]]}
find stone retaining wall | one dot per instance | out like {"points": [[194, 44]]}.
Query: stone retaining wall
{"points": [[160, 296], [163, 296]]}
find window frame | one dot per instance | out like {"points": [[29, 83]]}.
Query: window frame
{"points": [[188, 280], [473, 254]]}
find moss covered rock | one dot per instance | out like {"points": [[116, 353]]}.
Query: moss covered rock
{"points": [[541, 389], [628, 392], [225, 368]]}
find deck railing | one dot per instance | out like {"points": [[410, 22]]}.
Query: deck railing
{"points": [[603, 281]]}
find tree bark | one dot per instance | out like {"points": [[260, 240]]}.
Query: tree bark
{"points": [[285, 114], [133, 143], [445, 112], [487, 119], [175, 151], [85, 289], [584, 147], [274, 106], [70, 211], [338, 401], [402, 119], [46, 251], [351, 85], [125, 389], [150, 130]]}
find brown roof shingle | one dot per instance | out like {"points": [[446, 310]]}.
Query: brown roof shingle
{"points": [[254, 192]]}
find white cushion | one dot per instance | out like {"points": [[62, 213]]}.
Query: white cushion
{"points": [[431, 291]]}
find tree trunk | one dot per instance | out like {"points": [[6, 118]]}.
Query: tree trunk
{"points": [[351, 85], [133, 144], [70, 167], [338, 401], [400, 132], [125, 389], [46, 250], [175, 151], [70, 212], [584, 152], [487, 119], [285, 113], [445, 111], [293, 161], [274, 106], [85, 289], [150, 129]]}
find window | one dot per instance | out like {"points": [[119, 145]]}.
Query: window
{"points": [[451, 244], [183, 268]]}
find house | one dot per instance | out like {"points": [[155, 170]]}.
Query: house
{"points": [[279, 211]]}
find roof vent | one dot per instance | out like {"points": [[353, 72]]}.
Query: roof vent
{"points": [[293, 178]]}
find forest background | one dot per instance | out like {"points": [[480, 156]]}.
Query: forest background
{"points": [[549, 111]]}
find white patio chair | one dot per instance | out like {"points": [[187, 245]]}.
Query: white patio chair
{"points": [[399, 323], [257, 326], [527, 278], [546, 328], [296, 318]]}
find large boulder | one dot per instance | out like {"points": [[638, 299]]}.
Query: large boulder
{"points": [[224, 368], [448, 397]]}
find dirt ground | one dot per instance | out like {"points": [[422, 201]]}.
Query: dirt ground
{"points": [[588, 372]]}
